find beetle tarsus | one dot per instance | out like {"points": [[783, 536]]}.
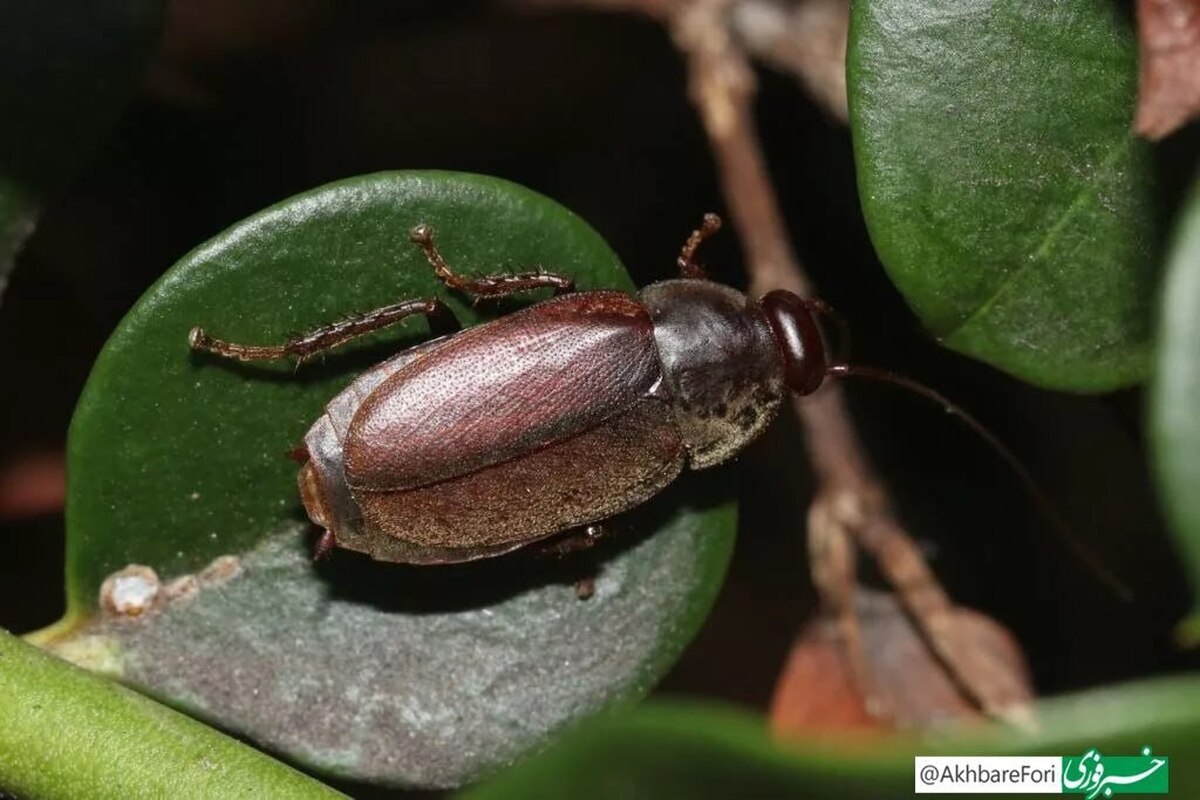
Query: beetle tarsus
{"points": [[688, 267], [585, 588], [500, 285]]}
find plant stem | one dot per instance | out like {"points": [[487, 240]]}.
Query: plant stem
{"points": [[65, 733], [851, 507]]}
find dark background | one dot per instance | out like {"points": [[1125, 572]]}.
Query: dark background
{"points": [[248, 103]]}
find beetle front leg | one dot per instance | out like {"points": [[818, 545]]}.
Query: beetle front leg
{"points": [[688, 267], [440, 318], [499, 285]]}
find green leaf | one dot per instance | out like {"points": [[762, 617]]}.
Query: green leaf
{"points": [[68, 734], [65, 74], [1001, 182], [1175, 395], [392, 674], [668, 750]]}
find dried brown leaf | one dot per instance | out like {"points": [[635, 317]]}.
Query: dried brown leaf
{"points": [[1169, 91], [910, 686]]}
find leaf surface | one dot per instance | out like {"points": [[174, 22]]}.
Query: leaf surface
{"points": [[422, 676], [1001, 182]]}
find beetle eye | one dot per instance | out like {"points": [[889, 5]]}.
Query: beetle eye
{"points": [[799, 339]]}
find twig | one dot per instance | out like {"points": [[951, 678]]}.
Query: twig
{"points": [[803, 38], [806, 39], [851, 506], [851, 502]]}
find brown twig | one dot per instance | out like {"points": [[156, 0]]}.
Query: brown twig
{"points": [[803, 38], [851, 507], [852, 503]]}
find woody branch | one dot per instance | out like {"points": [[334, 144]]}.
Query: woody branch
{"points": [[851, 505]]}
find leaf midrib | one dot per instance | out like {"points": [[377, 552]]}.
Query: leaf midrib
{"points": [[1052, 233]]}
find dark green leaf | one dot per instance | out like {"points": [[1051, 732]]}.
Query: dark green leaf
{"points": [[1002, 185], [392, 674], [1175, 398], [666, 751], [65, 73]]}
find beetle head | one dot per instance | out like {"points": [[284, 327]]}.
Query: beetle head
{"points": [[805, 358]]}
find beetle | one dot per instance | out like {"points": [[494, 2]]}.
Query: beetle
{"points": [[535, 428], [538, 426]]}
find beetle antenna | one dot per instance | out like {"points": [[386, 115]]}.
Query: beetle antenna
{"points": [[1048, 507]]}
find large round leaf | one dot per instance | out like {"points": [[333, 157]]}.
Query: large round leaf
{"points": [[394, 674], [1175, 399], [1001, 183]]}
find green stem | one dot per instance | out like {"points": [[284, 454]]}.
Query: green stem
{"points": [[65, 733]]}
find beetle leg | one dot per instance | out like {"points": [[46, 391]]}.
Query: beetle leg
{"points": [[686, 261], [499, 285], [324, 546], [440, 318], [574, 541], [299, 454], [585, 587]]}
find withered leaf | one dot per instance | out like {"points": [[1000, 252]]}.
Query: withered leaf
{"points": [[911, 688], [1169, 87]]}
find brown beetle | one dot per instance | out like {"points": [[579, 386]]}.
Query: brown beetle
{"points": [[538, 426], [548, 420]]}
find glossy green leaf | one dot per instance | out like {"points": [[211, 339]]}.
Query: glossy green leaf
{"points": [[68, 734], [393, 674], [65, 73], [1175, 395], [1001, 182], [675, 750]]}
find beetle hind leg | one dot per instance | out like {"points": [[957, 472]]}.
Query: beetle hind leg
{"points": [[500, 285]]}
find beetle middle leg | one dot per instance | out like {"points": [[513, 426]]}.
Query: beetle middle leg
{"points": [[499, 285], [688, 267], [577, 541], [441, 320]]}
